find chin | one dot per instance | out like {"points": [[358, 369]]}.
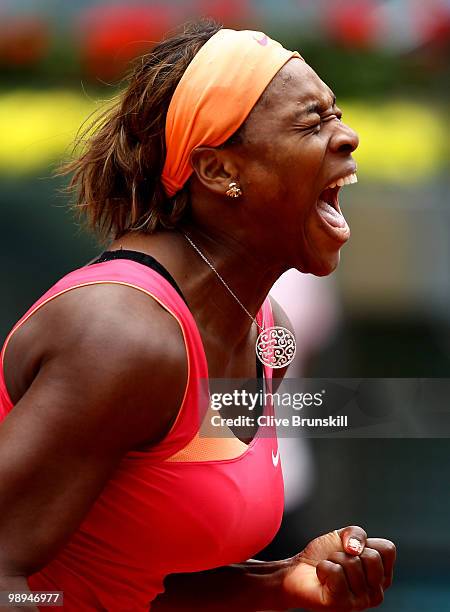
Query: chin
{"points": [[319, 253], [324, 266]]}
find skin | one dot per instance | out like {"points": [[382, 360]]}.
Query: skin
{"points": [[81, 393]]}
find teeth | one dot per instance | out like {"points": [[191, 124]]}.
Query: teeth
{"points": [[346, 180]]}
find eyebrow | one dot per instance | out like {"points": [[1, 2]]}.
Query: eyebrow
{"points": [[317, 107]]}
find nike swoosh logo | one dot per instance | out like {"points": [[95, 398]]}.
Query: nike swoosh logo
{"points": [[275, 458]]}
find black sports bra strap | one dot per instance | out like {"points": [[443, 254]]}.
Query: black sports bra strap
{"points": [[151, 262], [142, 258]]}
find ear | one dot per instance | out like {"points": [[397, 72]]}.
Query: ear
{"points": [[213, 168]]}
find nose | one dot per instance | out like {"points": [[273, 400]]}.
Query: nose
{"points": [[344, 140]]}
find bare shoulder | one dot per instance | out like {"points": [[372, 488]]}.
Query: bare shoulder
{"points": [[110, 376], [116, 350]]}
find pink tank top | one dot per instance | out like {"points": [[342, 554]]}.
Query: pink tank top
{"points": [[186, 504]]}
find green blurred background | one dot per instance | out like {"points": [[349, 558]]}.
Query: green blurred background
{"points": [[387, 61]]}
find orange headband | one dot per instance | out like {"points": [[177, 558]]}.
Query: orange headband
{"points": [[215, 95]]}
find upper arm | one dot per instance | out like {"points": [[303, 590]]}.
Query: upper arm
{"points": [[109, 381], [280, 318]]}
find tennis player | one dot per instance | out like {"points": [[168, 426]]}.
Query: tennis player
{"points": [[217, 169]]}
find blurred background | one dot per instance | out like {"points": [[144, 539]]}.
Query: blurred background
{"points": [[384, 313]]}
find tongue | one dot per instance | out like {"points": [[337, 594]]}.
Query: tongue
{"points": [[330, 214]]}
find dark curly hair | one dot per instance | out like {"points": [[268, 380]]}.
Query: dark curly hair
{"points": [[116, 176]]}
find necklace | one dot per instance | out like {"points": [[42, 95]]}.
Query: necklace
{"points": [[275, 346]]}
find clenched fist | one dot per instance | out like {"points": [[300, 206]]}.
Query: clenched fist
{"points": [[342, 571]]}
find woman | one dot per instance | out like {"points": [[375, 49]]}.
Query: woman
{"points": [[213, 174]]}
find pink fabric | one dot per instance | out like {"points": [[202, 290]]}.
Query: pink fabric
{"points": [[155, 517]]}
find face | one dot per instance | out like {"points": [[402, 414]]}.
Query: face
{"points": [[295, 148]]}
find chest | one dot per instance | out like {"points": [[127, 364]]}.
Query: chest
{"points": [[226, 361], [207, 514]]}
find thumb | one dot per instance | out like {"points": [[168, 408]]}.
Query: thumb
{"points": [[353, 539]]}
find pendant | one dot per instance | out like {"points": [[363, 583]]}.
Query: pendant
{"points": [[275, 347]]}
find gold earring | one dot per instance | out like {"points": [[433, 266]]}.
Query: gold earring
{"points": [[233, 191]]}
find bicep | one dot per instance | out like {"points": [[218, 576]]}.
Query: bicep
{"points": [[51, 471], [62, 441]]}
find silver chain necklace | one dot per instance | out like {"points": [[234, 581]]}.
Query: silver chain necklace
{"points": [[275, 346]]}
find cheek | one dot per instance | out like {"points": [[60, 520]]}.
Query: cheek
{"points": [[285, 175], [263, 181]]}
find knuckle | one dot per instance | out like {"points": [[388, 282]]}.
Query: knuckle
{"points": [[336, 570], [371, 554], [325, 566], [391, 548], [352, 561], [360, 529]]}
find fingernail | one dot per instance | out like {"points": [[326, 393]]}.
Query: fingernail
{"points": [[355, 545]]}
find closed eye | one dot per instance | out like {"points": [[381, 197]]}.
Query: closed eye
{"points": [[337, 115], [315, 129]]}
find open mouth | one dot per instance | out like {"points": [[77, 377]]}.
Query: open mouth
{"points": [[328, 203], [329, 207]]}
